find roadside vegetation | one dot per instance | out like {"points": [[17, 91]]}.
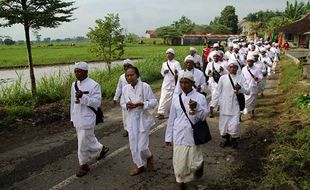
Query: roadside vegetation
{"points": [[56, 88], [276, 150]]}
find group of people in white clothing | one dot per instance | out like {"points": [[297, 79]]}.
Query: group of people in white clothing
{"points": [[242, 69]]}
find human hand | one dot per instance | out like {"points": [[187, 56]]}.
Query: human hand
{"points": [[168, 144], [78, 94], [192, 104], [166, 71], [71, 124], [211, 115], [130, 105]]}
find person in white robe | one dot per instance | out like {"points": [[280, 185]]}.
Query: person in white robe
{"points": [[187, 157], [276, 51], [263, 68], [229, 53], [253, 76], [214, 67], [225, 96], [200, 80], [169, 71], [118, 92], [216, 50], [266, 59], [197, 58], [85, 93], [138, 99]]}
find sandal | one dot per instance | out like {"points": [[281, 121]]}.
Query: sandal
{"points": [[103, 152], [137, 171]]}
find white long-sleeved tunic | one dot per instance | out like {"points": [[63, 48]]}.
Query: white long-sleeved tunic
{"points": [[142, 92], [81, 115], [120, 85], [253, 85], [225, 95], [179, 130], [169, 81]]}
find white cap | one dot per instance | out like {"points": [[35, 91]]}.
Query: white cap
{"points": [[239, 44], [243, 43], [234, 62], [230, 44], [188, 75], [170, 50], [255, 53], [263, 49], [235, 40], [81, 65], [251, 42], [259, 42], [250, 57], [127, 61], [193, 49], [216, 45], [236, 46], [217, 53], [189, 58], [268, 46], [276, 44]]}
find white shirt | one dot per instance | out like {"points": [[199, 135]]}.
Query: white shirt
{"points": [[179, 130], [265, 59], [200, 80], [250, 80], [262, 66], [229, 54], [81, 115], [217, 67], [169, 82], [120, 85], [225, 95], [141, 93]]}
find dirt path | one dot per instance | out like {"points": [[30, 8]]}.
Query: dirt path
{"points": [[46, 163]]}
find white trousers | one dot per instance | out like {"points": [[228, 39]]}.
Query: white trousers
{"points": [[186, 161], [139, 146], [165, 101], [250, 103], [89, 147], [230, 124]]}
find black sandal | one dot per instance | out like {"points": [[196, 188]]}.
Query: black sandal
{"points": [[103, 152]]}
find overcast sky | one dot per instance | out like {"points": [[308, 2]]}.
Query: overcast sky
{"points": [[140, 15]]}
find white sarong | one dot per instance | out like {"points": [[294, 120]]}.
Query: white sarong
{"points": [[230, 124], [250, 103], [261, 85], [186, 161], [125, 115], [89, 147], [165, 101]]}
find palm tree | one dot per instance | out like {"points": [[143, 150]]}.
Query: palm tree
{"points": [[295, 11]]}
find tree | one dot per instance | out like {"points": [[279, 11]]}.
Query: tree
{"points": [[107, 38], [34, 14], [202, 29], [220, 29], [167, 33], [295, 11], [47, 40], [184, 25], [37, 35], [9, 42], [229, 19], [132, 38], [276, 22]]}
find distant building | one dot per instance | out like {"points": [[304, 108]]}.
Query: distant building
{"points": [[297, 32], [150, 34], [220, 37], [193, 39]]}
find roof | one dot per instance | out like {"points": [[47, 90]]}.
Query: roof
{"points": [[300, 26], [150, 31]]}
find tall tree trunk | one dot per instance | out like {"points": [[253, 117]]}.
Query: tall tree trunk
{"points": [[32, 77]]}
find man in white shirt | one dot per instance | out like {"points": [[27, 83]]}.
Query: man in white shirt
{"points": [[187, 157], [229, 53], [216, 49], [263, 68], [225, 96], [169, 71], [200, 80], [118, 92], [85, 94], [253, 76], [266, 59], [197, 58]]}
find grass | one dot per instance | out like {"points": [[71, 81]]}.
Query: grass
{"points": [[56, 88]]}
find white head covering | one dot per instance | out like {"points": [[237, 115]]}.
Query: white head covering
{"points": [[250, 57], [263, 49], [188, 75], [216, 45], [243, 43], [81, 65], [236, 46], [189, 58], [170, 50], [276, 44], [233, 62], [235, 40], [230, 44], [217, 53], [239, 43], [268, 46], [251, 42], [193, 49], [127, 61], [259, 42], [255, 53]]}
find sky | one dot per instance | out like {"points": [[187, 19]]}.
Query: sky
{"points": [[137, 16]]}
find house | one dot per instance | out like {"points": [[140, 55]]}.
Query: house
{"points": [[213, 38], [150, 34], [193, 39], [297, 31]]}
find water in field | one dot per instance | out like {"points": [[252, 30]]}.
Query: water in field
{"points": [[9, 76]]}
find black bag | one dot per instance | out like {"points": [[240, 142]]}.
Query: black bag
{"points": [[240, 96], [98, 112], [201, 130], [215, 74]]}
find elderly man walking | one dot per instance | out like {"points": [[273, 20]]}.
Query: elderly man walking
{"points": [[169, 71], [85, 97], [187, 157]]}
